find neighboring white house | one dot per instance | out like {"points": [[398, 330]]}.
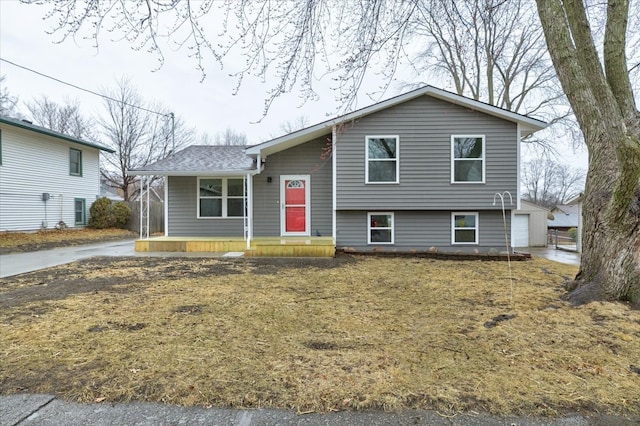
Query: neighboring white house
{"points": [[46, 177], [530, 225]]}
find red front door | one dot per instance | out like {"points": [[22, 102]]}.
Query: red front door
{"points": [[295, 205]]}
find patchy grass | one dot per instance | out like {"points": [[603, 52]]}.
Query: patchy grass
{"points": [[42, 240], [321, 335]]}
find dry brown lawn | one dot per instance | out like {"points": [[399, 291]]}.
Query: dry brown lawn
{"points": [[319, 335], [32, 241]]}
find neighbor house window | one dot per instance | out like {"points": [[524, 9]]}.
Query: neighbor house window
{"points": [[79, 211], [75, 162], [382, 159], [467, 159], [380, 228], [220, 197], [464, 228]]}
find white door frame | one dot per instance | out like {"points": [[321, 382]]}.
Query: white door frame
{"points": [[307, 197]]}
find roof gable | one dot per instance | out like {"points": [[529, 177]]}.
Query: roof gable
{"points": [[527, 125], [48, 132]]}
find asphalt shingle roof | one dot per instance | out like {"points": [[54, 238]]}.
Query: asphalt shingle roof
{"points": [[197, 159]]}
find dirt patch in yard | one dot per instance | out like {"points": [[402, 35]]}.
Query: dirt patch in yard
{"points": [[111, 273], [319, 335]]}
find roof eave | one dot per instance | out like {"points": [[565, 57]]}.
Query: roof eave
{"points": [[238, 172], [50, 133]]}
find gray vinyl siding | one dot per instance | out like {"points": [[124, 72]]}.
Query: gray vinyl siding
{"points": [[421, 230], [34, 163], [304, 159], [183, 214], [425, 126]]}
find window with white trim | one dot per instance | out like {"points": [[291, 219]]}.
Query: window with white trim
{"points": [[467, 159], [380, 228], [382, 159], [464, 228], [220, 197]]}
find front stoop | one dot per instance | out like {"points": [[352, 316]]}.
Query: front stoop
{"points": [[260, 246], [292, 247]]}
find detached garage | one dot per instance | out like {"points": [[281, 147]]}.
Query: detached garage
{"points": [[529, 225]]}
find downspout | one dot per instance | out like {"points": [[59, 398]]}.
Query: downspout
{"points": [[518, 180], [334, 135], [249, 209]]}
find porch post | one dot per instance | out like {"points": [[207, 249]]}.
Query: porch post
{"points": [[141, 204], [148, 202]]}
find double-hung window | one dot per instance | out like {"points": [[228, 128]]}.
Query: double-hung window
{"points": [[467, 159], [75, 162], [380, 228], [382, 159], [80, 211], [464, 228], [220, 197]]}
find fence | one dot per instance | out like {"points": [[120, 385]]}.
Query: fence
{"points": [[156, 216], [561, 240]]}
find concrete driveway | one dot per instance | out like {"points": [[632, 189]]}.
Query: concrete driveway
{"points": [[20, 263], [562, 256]]}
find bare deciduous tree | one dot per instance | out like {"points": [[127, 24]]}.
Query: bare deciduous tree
{"points": [[8, 103], [492, 51], [230, 137], [548, 183], [602, 97], [138, 135], [62, 117]]}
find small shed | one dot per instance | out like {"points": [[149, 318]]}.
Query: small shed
{"points": [[530, 225]]}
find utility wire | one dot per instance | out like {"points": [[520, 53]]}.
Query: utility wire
{"points": [[83, 89]]}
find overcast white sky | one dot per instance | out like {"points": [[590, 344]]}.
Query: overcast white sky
{"points": [[209, 106]]}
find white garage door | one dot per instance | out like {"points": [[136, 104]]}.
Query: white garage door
{"points": [[521, 230]]}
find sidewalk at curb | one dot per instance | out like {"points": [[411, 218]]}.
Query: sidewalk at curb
{"points": [[26, 409]]}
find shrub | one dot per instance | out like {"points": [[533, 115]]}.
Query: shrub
{"points": [[573, 233], [101, 214], [104, 214], [121, 214]]}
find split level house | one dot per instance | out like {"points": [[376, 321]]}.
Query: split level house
{"points": [[425, 170], [47, 179]]}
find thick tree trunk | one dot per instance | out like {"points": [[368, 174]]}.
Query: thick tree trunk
{"points": [[610, 266], [604, 107]]}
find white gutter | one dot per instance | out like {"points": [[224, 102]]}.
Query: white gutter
{"points": [[200, 173]]}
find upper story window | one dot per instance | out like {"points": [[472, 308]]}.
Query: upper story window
{"points": [[75, 162], [382, 159], [467, 159], [220, 197]]}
